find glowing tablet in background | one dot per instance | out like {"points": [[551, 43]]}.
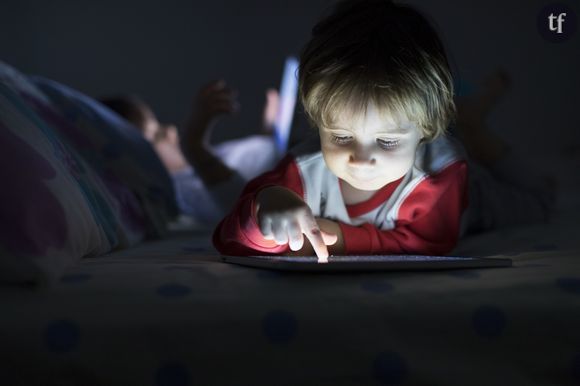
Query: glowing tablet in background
{"points": [[368, 263], [288, 95]]}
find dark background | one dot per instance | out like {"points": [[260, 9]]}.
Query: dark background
{"points": [[165, 50]]}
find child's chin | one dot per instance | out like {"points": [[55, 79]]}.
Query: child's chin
{"points": [[374, 184]]}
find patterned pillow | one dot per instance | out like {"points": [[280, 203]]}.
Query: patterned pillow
{"points": [[51, 210], [125, 221], [20, 82], [114, 145]]}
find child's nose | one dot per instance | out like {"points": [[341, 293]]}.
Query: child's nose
{"points": [[361, 156]]}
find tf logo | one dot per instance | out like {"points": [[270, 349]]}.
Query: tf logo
{"points": [[560, 19], [557, 22]]}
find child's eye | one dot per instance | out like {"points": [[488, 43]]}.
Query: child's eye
{"points": [[341, 140], [388, 144]]}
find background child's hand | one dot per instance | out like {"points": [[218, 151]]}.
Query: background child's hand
{"points": [[212, 100], [166, 144], [270, 110], [284, 217]]}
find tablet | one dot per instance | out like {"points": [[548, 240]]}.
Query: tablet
{"points": [[287, 104], [367, 262]]}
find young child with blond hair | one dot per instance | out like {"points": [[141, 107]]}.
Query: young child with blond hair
{"points": [[374, 79]]}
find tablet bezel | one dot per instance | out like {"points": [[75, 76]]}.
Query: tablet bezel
{"points": [[367, 263]]}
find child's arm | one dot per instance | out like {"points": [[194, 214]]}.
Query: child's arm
{"points": [[284, 217], [278, 195], [428, 220], [428, 225]]}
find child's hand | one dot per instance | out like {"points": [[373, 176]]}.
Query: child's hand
{"points": [[329, 227], [284, 217], [212, 100], [271, 108]]}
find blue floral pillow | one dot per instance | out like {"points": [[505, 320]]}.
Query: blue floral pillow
{"points": [[115, 208], [52, 211], [115, 146], [129, 223]]}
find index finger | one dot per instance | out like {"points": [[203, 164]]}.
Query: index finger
{"points": [[312, 232]]}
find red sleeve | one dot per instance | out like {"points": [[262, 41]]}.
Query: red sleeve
{"points": [[428, 221], [238, 233]]}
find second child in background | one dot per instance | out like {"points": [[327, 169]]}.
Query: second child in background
{"points": [[207, 178]]}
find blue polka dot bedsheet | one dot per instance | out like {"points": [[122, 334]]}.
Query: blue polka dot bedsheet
{"points": [[170, 313]]}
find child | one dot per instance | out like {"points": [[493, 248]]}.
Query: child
{"points": [[375, 80], [207, 179]]}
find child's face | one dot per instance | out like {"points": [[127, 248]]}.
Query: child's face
{"points": [[370, 150], [150, 124], [156, 132]]}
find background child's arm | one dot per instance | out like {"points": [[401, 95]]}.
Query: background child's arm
{"points": [[213, 100]]}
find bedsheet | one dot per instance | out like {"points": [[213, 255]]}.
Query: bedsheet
{"points": [[171, 313]]}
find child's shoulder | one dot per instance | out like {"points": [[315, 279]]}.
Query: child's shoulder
{"points": [[307, 151], [435, 156]]}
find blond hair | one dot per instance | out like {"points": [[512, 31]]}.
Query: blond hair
{"points": [[374, 51]]}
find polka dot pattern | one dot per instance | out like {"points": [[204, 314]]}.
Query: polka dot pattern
{"points": [[465, 274], [173, 290], [575, 368], [62, 336], [142, 302], [180, 268], [194, 249], [534, 265], [389, 368], [489, 321], [569, 284], [172, 374], [545, 247], [267, 275], [378, 286], [74, 278], [279, 326]]}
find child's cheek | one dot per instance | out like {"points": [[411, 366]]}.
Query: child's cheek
{"points": [[397, 164], [335, 156]]}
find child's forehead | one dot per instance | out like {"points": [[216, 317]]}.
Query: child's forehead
{"points": [[371, 117]]}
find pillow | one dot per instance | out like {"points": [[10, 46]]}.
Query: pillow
{"points": [[116, 146], [125, 221], [20, 83], [50, 213], [130, 222]]}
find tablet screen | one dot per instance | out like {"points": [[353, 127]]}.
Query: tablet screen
{"points": [[287, 103]]}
